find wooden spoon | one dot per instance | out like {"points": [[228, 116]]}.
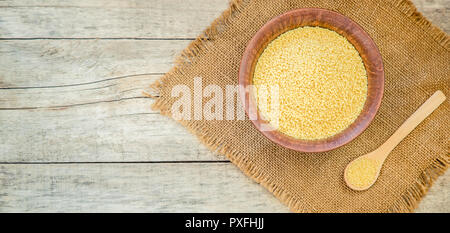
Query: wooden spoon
{"points": [[381, 153]]}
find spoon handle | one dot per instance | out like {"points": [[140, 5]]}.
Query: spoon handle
{"points": [[413, 121]]}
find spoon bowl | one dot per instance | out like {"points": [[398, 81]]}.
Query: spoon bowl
{"points": [[348, 180]]}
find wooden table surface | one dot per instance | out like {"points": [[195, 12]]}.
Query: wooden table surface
{"points": [[76, 134]]}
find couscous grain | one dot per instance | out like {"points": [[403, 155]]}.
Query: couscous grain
{"points": [[362, 172], [321, 78]]}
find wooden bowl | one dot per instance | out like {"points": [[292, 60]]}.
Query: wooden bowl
{"points": [[345, 27]]}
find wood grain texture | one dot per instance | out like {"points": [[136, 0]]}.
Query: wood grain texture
{"points": [[76, 100], [117, 130], [41, 63], [107, 19], [132, 188], [81, 100]]}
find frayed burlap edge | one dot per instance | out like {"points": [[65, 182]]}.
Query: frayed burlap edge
{"points": [[411, 198], [408, 8], [407, 202]]}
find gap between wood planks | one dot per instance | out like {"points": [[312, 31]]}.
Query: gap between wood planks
{"points": [[119, 162], [95, 38], [80, 84]]}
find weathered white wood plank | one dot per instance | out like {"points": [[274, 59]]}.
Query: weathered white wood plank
{"points": [[196, 187], [73, 94], [119, 129], [131, 19], [40, 63], [132, 188], [107, 19], [82, 100]]}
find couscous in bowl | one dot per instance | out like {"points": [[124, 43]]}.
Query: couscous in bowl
{"points": [[267, 38]]}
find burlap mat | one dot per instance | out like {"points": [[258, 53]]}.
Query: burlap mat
{"points": [[416, 59]]}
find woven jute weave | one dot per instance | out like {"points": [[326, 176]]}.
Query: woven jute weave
{"points": [[416, 58]]}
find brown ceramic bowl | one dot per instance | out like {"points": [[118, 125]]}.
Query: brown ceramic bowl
{"points": [[333, 21]]}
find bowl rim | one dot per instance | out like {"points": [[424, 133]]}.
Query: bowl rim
{"points": [[339, 23]]}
